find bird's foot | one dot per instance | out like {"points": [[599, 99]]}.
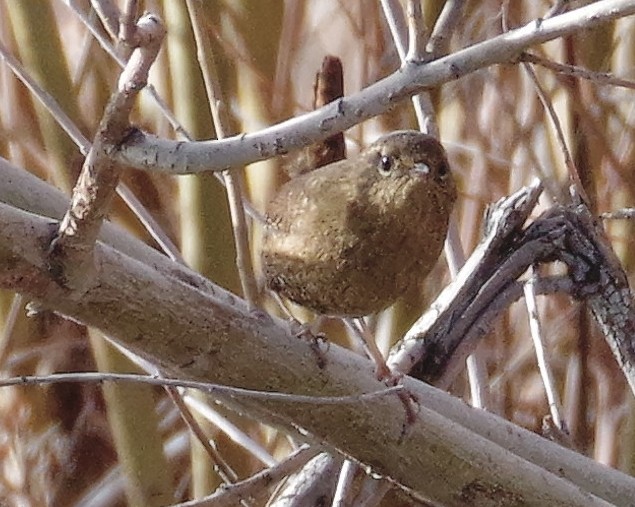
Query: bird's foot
{"points": [[411, 406], [317, 340], [409, 400]]}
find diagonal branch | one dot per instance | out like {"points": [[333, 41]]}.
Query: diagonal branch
{"points": [[437, 344], [195, 330], [148, 152]]}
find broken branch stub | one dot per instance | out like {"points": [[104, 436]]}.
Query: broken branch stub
{"points": [[436, 346]]}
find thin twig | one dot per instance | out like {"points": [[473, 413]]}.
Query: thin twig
{"points": [[85, 58], [397, 26], [475, 364], [99, 377], [10, 320], [233, 432], [127, 32], [46, 99], [555, 121], [415, 53], [421, 102], [360, 330], [232, 495], [555, 407], [599, 78], [416, 32], [221, 467], [218, 108], [109, 14], [225, 472]]}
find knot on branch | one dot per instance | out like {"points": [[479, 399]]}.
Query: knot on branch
{"points": [[577, 239]]}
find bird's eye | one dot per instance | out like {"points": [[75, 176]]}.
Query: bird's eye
{"points": [[385, 165]]}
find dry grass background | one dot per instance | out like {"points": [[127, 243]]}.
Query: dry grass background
{"points": [[58, 443]]}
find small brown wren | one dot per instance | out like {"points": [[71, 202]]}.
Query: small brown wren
{"points": [[351, 237]]}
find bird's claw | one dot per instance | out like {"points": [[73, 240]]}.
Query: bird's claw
{"points": [[317, 341], [409, 400]]}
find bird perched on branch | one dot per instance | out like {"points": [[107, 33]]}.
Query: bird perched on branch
{"points": [[351, 237]]}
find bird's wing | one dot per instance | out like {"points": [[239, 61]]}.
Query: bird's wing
{"points": [[311, 200]]}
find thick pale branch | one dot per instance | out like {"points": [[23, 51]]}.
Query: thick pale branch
{"points": [[194, 330], [148, 152]]}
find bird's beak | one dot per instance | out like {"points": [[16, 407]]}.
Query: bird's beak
{"points": [[422, 168]]}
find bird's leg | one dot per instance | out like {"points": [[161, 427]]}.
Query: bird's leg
{"points": [[382, 371], [360, 330], [317, 340], [409, 401], [307, 331]]}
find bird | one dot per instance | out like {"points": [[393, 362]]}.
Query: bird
{"points": [[349, 238]]}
